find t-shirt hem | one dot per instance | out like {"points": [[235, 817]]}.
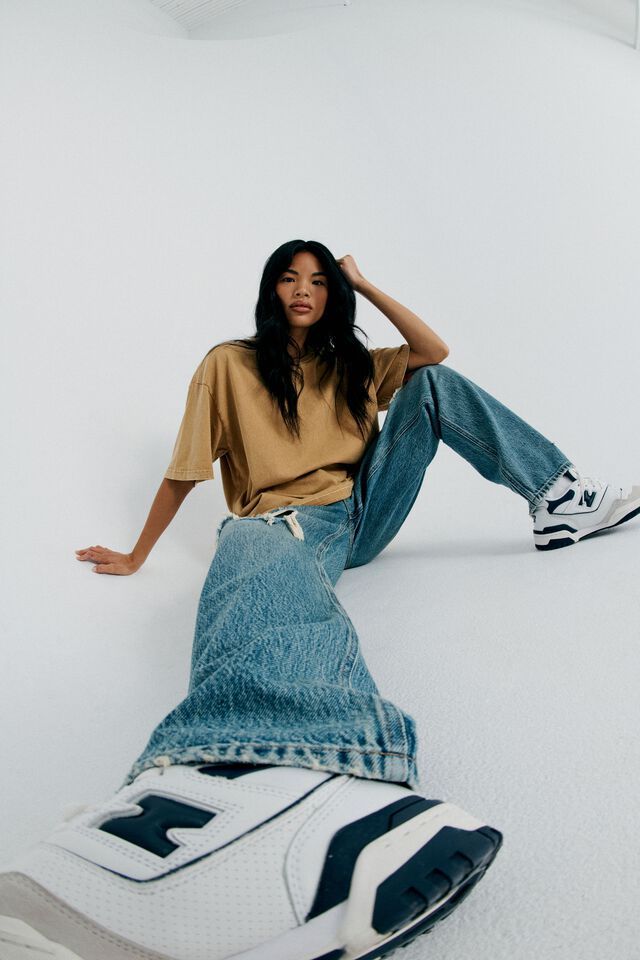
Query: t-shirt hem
{"points": [[185, 473], [339, 493]]}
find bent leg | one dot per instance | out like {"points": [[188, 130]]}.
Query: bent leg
{"points": [[438, 403]]}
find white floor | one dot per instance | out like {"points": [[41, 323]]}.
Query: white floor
{"points": [[521, 669]]}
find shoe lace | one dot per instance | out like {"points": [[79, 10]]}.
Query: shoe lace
{"points": [[587, 485]]}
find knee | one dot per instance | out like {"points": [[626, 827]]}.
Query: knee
{"points": [[432, 374], [423, 378], [434, 370]]}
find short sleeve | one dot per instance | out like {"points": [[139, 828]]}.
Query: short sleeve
{"points": [[200, 437], [390, 367]]}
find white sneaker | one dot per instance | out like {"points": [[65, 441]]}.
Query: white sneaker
{"points": [[216, 861], [577, 507]]}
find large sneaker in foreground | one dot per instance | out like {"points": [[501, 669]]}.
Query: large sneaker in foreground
{"points": [[217, 861], [578, 507]]}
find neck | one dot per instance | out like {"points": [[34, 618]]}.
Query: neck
{"points": [[300, 342]]}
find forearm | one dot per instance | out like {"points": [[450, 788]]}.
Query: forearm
{"points": [[166, 504], [423, 341]]}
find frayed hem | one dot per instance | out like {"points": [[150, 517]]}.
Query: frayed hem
{"points": [[355, 762], [540, 495]]}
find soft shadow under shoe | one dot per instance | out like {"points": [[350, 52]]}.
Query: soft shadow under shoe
{"points": [[213, 861]]}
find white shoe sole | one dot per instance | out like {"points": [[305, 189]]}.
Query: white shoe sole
{"points": [[403, 883], [561, 533]]}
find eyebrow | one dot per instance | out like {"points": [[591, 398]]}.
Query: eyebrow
{"points": [[318, 273]]}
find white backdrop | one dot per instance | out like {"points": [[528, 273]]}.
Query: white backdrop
{"points": [[480, 161]]}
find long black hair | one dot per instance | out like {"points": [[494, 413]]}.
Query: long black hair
{"points": [[332, 339]]}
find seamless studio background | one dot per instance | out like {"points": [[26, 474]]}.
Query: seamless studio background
{"points": [[480, 161]]}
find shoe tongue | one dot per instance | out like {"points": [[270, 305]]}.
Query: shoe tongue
{"points": [[559, 490]]}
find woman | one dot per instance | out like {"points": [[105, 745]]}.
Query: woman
{"points": [[274, 812]]}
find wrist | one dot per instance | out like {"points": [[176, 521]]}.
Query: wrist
{"points": [[363, 287]]}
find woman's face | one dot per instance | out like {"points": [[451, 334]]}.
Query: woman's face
{"points": [[304, 282]]}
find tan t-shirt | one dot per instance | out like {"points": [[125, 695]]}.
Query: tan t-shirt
{"points": [[231, 416]]}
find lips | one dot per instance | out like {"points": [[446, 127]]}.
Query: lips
{"points": [[300, 306]]}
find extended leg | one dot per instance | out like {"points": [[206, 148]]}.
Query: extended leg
{"points": [[277, 674]]}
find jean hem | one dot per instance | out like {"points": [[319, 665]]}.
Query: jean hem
{"points": [[538, 497], [356, 762]]}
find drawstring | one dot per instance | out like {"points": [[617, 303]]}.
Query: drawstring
{"points": [[294, 526], [290, 518]]}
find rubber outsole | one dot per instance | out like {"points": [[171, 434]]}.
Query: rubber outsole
{"points": [[478, 848], [568, 541]]}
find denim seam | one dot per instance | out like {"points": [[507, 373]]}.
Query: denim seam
{"points": [[323, 546], [203, 754], [299, 743], [375, 466], [352, 669], [355, 516], [320, 551], [405, 738], [389, 709], [523, 492], [196, 754]]}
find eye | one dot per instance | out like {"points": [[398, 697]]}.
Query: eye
{"points": [[285, 279]]}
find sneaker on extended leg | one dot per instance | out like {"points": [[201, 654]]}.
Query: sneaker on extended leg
{"points": [[577, 507], [243, 861]]}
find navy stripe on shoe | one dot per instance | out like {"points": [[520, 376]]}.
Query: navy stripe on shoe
{"points": [[347, 843], [555, 529]]}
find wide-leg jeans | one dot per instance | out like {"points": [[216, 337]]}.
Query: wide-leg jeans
{"points": [[277, 672]]}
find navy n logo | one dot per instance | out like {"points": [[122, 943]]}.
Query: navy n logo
{"points": [[588, 498], [149, 829]]}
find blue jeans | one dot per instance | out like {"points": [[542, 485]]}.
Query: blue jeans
{"points": [[277, 674]]}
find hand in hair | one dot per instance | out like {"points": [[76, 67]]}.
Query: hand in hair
{"points": [[350, 269]]}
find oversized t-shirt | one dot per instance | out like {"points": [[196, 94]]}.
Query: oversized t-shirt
{"points": [[231, 416]]}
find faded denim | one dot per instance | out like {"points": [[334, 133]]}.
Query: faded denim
{"points": [[277, 673]]}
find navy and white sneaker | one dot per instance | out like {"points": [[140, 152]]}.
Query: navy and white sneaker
{"points": [[213, 861], [578, 507]]}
